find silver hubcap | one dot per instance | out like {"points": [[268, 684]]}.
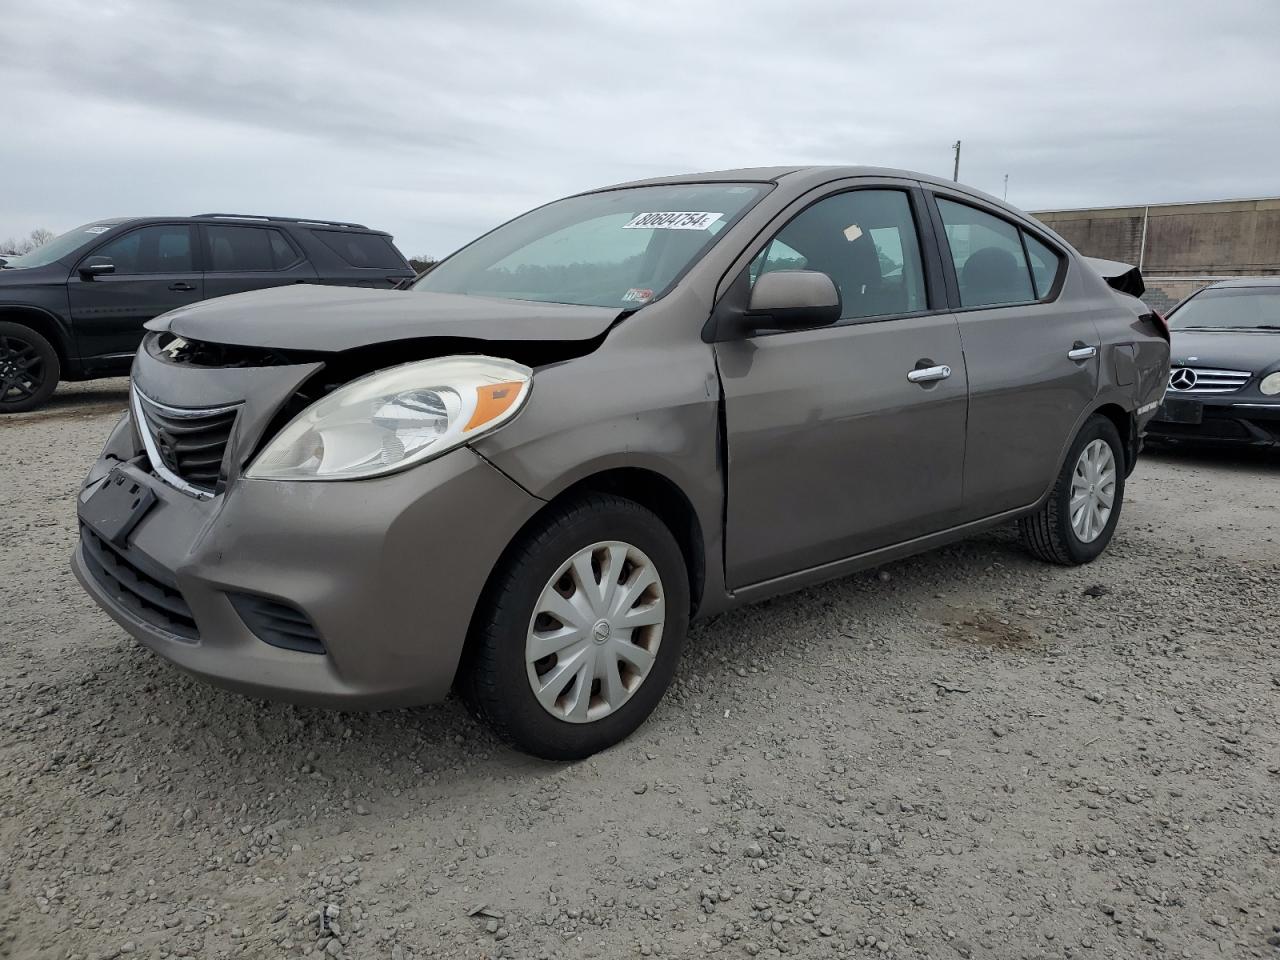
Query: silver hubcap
{"points": [[595, 632], [1093, 491]]}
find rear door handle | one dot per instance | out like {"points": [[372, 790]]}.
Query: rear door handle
{"points": [[181, 285], [1082, 351], [929, 374]]}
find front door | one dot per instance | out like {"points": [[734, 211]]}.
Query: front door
{"points": [[1032, 360], [155, 271], [846, 438]]}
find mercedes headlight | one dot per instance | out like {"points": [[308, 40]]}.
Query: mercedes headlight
{"points": [[1270, 384], [395, 418]]}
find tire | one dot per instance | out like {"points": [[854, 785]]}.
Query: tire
{"points": [[29, 368], [497, 678], [1050, 533]]}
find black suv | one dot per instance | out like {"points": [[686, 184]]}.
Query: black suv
{"points": [[73, 309]]}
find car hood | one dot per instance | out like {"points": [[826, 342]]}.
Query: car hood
{"points": [[27, 276], [1226, 349], [332, 319]]}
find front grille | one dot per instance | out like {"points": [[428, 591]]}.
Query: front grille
{"points": [[149, 596], [1200, 380], [277, 623], [186, 444]]}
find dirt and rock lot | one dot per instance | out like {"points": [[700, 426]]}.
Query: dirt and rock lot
{"points": [[966, 754]]}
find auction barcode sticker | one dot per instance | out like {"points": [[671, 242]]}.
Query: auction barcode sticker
{"points": [[677, 220]]}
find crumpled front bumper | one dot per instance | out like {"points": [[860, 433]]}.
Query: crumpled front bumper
{"points": [[1228, 421], [388, 571]]}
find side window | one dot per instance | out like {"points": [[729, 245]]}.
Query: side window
{"points": [[233, 248], [865, 241], [987, 252], [159, 249], [282, 253], [362, 249], [1045, 264]]}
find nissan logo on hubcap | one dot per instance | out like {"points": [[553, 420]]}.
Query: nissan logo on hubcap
{"points": [[1183, 379], [601, 631]]}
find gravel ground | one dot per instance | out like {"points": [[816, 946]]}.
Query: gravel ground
{"points": [[967, 754]]}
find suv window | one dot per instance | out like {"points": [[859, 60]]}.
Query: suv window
{"points": [[865, 241], [362, 249], [233, 248], [991, 266], [1045, 264], [165, 248]]}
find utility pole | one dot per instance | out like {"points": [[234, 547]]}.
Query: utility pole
{"points": [[1006, 187], [956, 174]]}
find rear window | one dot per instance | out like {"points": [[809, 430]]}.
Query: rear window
{"points": [[362, 249]]}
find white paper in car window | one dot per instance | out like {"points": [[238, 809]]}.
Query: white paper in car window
{"points": [[672, 220]]}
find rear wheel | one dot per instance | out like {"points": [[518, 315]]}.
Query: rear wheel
{"points": [[580, 630], [29, 368], [1080, 517]]}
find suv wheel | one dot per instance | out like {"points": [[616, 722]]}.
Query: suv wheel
{"points": [[1077, 522], [29, 368], [579, 632]]}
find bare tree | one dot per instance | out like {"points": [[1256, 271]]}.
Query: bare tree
{"points": [[16, 248]]}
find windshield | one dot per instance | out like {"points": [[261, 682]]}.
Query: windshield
{"points": [[619, 248], [58, 247], [1230, 308]]}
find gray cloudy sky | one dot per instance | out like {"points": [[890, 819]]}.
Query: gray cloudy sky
{"points": [[437, 120]]}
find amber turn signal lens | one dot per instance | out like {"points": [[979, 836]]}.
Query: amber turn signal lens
{"points": [[492, 400]]}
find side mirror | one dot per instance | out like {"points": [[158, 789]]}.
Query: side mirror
{"points": [[97, 267], [792, 300]]}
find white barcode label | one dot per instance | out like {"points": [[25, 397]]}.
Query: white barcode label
{"points": [[672, 220]]}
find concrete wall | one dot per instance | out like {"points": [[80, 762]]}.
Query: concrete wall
{"points": [[1220, 238], [1226, 238]]}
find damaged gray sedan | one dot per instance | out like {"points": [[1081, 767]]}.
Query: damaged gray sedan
{"points": [[524, 476]]}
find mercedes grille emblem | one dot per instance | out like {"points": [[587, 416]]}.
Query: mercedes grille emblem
{"points": [[1183, 379]]}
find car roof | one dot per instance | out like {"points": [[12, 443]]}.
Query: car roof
{"points": [[801, 178], [1245, 282], [250, 219]]}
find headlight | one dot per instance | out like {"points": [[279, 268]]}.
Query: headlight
{"points": [[395, 418], [1270, 384]]}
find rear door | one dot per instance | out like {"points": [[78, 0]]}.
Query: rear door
{"points": [[156, 270], [240, 257], [1032, 359], [835, 447]]}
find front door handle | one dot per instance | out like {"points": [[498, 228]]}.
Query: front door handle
{"points": [[929, 374], [1082, 351], [181, 285]]}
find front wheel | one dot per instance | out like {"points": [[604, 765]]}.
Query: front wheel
{"points": [[29, 368], [1080, 517], [580, 629]]}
